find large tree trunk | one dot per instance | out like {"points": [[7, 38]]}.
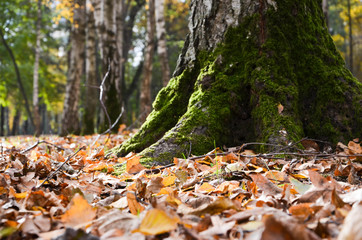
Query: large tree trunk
{"points": [[70, 118], [145, 96], [161, 40], [263, 71], [37, 124], [91, 94]]}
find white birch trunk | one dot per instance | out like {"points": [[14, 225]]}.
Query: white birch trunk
{"points": [[162, 42]]}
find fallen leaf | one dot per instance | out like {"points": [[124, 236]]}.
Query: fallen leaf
{"points": [[264, 184], [352, 224], [79, 212], [133, 165], [157, 221], [134, 206]]}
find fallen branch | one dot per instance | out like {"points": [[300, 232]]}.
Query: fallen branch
{"points": [[40, 142], [60, 167]]}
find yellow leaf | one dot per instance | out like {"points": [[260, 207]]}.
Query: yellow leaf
{"points": [[280, 108], [79, 212], [21, 195], [156, 222]]}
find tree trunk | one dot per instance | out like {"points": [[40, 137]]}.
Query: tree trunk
{"points": [[145, 96], [2, 120], [325, 11], [350, 37], [70, 118], [161, 40], [264, 71], [37, 124], [91, 92], [18, 77]]}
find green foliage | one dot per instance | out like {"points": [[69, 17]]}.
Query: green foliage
{"points": [[17, 22]]}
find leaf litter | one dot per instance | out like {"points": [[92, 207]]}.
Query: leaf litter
{"points": [[66, 188]]}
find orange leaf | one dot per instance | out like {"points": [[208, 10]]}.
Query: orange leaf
{"points": [[169, 180], [134, 206], [303, 209], [156, 222], [205, 188], [133, 165], [79, 212]]}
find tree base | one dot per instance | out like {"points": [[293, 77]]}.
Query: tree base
{"points": [[271, 85]]}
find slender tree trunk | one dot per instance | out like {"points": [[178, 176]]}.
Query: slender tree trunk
{"points": [[2, 120], [264, 71], [16, 123], [325, 11], [161, 39], [350, 36], [91, 94], [18, 77], [37, 124], [70, 118], [145, 98]]}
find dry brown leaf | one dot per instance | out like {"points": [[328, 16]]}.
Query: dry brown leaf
{"points": [[134, 206], [215, 207], [352, 225], [264, 184]]}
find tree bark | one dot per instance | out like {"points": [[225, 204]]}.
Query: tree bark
{"points": [[325, 11], [161, 40], [70, 118], [350, 37], [37, 124], [264, 71], [91, 94], [145, 96]]}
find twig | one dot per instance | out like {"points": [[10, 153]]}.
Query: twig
{"points": [[39, 142], [111, 126], [101, 89], [292, 145], [60, 166]]}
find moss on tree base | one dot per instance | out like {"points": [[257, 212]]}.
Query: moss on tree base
{"points": [[276, 77]]}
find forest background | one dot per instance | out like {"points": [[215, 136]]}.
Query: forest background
{"points": [[57, 57]]}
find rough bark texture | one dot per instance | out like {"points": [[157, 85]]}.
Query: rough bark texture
{"points": [[161, 40], [145, 96], [37, 124], [241, 60], [91, 96], [114, 22], [70, 118]]}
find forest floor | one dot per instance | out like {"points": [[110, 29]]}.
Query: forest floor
{"points": [[66, 188]]}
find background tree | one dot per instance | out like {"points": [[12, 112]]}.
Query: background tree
{"points": [[270, 73], [70, 118], [161, 40], [145, 96], [36, 70], [91, 91]]}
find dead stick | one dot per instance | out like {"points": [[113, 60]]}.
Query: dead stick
{"points": [[61, 165], [39, 142]]}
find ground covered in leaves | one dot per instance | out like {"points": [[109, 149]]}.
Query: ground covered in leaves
{"points": [[66, 188]]}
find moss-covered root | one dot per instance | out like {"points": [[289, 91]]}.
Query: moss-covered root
{"points": [[167, 109]]}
